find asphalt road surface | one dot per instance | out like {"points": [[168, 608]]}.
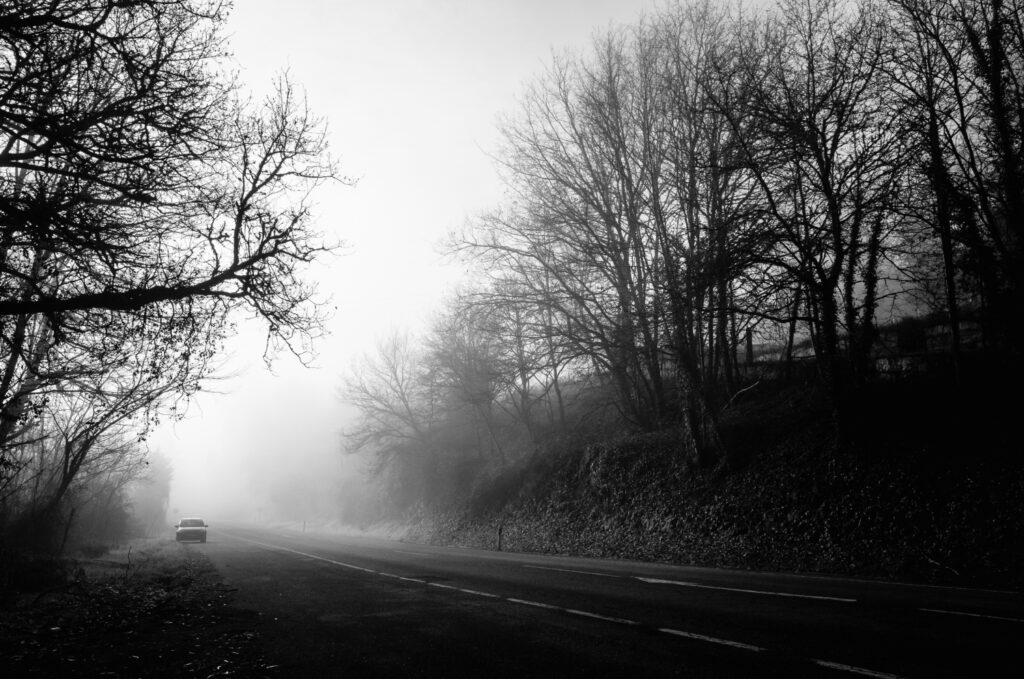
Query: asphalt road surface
{"points": [[329, 606]]}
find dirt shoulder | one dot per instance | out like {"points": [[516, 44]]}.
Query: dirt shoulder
{"points": [[155, 608]]}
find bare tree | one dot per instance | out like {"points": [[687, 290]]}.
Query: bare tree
{"points": [[962, 80], [702, 197], [462, 356], [828, 168], [397, 406], [150, 494], [143, 199]]}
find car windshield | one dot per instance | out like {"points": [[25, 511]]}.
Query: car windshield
{"points": [[192, 523]]}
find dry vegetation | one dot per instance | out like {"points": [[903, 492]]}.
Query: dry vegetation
{"points": [[914, 508], [155, 608]]}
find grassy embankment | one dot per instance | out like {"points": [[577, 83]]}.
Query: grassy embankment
{"points": [[932, 493]]}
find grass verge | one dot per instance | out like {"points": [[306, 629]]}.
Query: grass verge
{"points": [[154, 608]]}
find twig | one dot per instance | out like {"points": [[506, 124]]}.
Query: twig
{"points": [[738, 393], [940, 565], [128, 565]]}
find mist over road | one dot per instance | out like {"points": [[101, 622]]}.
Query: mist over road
{"points": [[345, 606]]}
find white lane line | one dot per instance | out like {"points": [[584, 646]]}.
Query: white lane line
{"points": [[587, 614], [367, 570], [569, 570], [972, 615], [682, 583], [406, 551], [478, 593], [624, 621], [713, 640], [395, 576], [902, 585], [314, 556], [856, 670], [538, 604]]}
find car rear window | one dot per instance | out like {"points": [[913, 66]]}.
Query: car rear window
{"points": [[191, 523]]}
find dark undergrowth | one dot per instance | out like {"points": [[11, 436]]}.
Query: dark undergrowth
{"points": [[155, 609], [927, 489]]}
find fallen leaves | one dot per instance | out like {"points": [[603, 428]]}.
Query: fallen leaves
{"points": [[171, 618]]}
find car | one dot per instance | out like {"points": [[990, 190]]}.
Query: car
{"points": [[190, 529]]}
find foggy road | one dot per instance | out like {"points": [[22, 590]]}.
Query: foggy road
{"points": [[343, 606]]}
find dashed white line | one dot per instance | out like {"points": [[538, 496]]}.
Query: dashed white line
{"points": [[538, 604], [569, 570], [440, 585], [713, 640], [597, 616], [313, 556], [478, 593], [903, 585], [856, 670], [972, 615], [587, 614], [683, 583], [393, 576]]}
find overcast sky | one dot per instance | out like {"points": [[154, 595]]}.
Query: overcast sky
{"points": [[411, 91]]}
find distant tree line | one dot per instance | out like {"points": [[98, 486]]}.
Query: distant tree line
{"points": [[710, 176], [143, 199]]}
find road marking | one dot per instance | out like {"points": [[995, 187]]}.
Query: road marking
{"points": [[442, 586], [587, 614], [394, 576], [682, 583], [890, 583], [569, 570], [573, 611], [972, 615], [313, 556], [713, 640], [856, 670], [538, 604], [478, 593]]}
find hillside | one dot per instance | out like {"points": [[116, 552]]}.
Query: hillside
{"points": [[914, 502]]}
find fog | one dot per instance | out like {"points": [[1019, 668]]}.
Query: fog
{"points": [[411, 91]]}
